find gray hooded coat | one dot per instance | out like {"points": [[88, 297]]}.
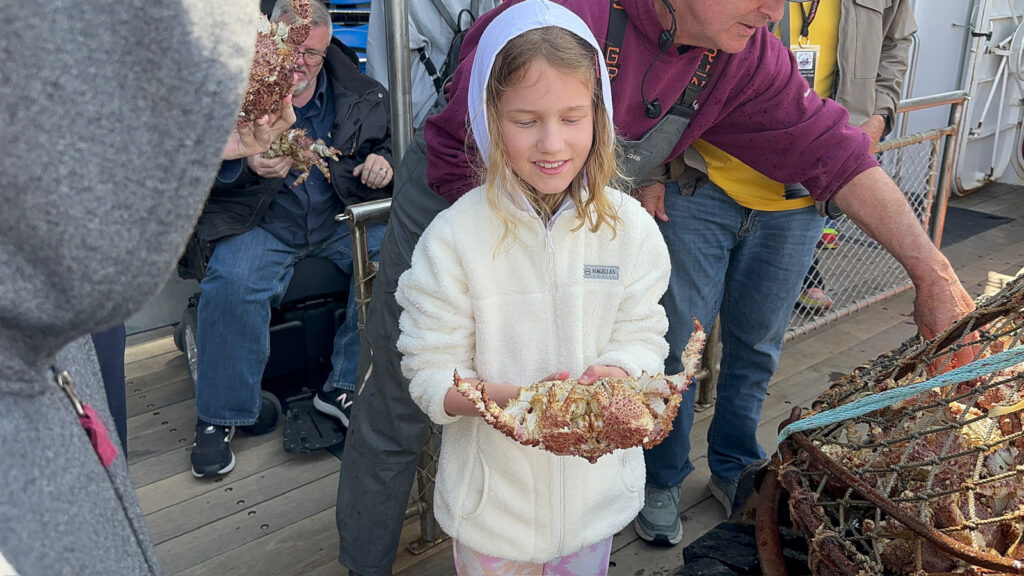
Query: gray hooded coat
{"points": [[113, 117]]}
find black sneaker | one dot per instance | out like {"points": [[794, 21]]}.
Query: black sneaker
{"points": [[335, 403], [211, 451]]}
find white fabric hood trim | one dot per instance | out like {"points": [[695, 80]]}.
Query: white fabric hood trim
{"points": [[512, 22]]}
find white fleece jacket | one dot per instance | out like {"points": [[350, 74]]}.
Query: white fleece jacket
{"points": [[557, 300]]}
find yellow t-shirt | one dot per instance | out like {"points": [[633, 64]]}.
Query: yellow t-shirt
{"points": [[748, 187]]}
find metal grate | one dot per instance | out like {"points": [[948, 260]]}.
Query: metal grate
{"points": [[855, 270]]}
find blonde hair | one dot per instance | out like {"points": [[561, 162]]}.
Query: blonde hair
{"points": [[570, 54]]}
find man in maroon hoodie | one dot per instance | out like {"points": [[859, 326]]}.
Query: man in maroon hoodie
{"points": [[756, 107]]}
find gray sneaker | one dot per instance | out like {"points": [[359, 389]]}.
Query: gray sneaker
{"points": [[658, 522], [724, 491]]}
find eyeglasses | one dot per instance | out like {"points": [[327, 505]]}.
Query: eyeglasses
{"points": [[311, 57]]}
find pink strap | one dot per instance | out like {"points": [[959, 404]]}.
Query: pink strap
{"points": [[98, 435]]}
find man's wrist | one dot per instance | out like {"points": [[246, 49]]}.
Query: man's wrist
{"points": [[886, 123]]}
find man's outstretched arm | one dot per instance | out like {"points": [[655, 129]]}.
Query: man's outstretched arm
{"points": [[872, 200]]}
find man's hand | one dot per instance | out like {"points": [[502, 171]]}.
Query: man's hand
{"points": [[940, 303], [596, 371], [652, 198], [269, 167], [877, 206], [374, 172], [874, 127], [937, 305], [253, 138], [283, 120]]}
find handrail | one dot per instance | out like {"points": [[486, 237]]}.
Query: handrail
{"points": [[931, 101], [358, 217]]}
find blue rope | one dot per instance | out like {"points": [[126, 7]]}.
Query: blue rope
{"points": [[878, 401]]}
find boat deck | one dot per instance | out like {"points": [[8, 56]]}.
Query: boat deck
{"points": [[274, 514]]}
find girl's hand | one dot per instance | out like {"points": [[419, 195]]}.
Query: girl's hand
{"points": [[455, 404], [595, 371], [560, 375]]}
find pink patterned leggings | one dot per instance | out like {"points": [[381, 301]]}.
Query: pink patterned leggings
{"points": [[589, 561]]}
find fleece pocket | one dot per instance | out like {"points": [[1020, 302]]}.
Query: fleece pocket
{"points": [[484, 473]]}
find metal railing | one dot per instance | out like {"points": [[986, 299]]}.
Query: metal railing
{"points": [[855, 269], [358, 217], [421, 500]]}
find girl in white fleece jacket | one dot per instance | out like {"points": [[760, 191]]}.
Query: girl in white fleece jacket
{"points": [[542, 272]]}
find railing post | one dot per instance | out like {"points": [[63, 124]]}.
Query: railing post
{"points": [[358, 217], [946, 173], [396, 16]]}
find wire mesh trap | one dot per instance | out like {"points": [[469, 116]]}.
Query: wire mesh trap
{"points": [[914, 462]]}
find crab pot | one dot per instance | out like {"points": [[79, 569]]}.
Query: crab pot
{"points": [[930, 483]]}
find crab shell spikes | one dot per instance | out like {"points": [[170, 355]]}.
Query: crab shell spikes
{"points": [[571, 419]]}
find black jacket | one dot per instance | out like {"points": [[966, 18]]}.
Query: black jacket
{"points": [[362, 125]]}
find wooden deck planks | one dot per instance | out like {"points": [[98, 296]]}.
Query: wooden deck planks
{"points": [[249, 524], [224, 499], [274, 514], [182, 486], [167, 464]]}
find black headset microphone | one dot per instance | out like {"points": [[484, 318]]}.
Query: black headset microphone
{"points": [[665, 40]]}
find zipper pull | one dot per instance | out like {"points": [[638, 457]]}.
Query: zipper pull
{"points": [[67, 384], [99, 437], [549, 242]]}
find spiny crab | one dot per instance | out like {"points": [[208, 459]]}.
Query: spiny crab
{"points": [[304, 152], [271, 78], [570, 419], [272, 74]]}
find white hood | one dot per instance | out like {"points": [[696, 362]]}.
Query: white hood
{"points": [[506, 26]]}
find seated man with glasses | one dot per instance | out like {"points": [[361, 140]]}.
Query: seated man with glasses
{"points": [[261, 224]]}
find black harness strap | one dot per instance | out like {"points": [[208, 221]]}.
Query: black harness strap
{"points": [[616, 32], [686, 105], [431, 69]]}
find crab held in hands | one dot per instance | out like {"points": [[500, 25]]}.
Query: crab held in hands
{"points": [[304, 152], [571, 419], [271, 76]]}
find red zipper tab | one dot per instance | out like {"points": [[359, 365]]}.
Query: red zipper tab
{"points": [[99, 437]]}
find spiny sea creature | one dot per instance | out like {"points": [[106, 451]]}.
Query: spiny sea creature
{"points": [[568, 418]]}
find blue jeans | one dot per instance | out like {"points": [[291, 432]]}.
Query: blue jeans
{"points": [[246, 276], [746, 265], [110, 345]]}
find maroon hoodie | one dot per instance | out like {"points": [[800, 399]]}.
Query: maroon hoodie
{"points": [[757, 107]]}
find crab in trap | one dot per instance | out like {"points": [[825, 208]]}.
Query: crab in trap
{"points": [[931, 483], [570, 419]]}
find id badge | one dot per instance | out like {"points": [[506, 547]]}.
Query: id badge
{"points": [[807, 61]]}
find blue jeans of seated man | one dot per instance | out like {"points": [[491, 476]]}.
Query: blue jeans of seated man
{"points": [[246, 276], [747, 265]]}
